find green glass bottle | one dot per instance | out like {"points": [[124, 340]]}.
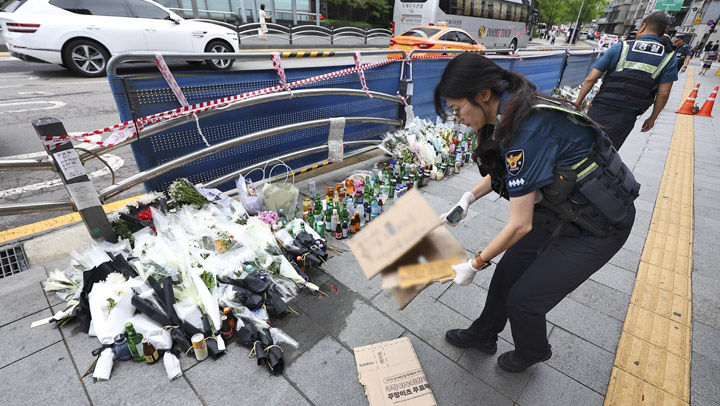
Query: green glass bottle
{"points": [[311, 221], [134, 341]]}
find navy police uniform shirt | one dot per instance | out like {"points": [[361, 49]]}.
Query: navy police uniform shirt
{"points": [[546, 140], [681, 52], [646, 49]]}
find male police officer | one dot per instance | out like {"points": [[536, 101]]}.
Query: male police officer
{"points": [[636, 71], [683, 52]]}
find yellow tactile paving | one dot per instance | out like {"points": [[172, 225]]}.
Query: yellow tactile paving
{"points": [[664, 279], [662, 302], [658, 330], [629, 390], [662, 369], [652, 363], [41, 226]]}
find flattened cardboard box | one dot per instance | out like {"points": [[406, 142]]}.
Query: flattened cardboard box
{"points": [[391, 374], [408, 231]]}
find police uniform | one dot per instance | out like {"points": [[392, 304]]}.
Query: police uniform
{"points": [[634, 69], [681, 53], [560, 252]]}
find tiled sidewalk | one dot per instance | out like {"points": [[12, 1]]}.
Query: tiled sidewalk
{"points": [[42, 365]]}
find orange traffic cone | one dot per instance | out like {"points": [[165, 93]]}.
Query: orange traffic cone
{"points": [[709, 103], [687, 107]]}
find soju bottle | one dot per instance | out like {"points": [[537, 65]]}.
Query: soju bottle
{"points": [[328, 218], [386, 174], [311, 221], [281, 217], [391, 195], [134, 341]]}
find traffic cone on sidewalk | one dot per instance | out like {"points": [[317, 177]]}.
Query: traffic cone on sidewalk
{"points": [[687, 107], [709, 103]]}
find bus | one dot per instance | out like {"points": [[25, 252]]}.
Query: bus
{"points": [[497, 24]]}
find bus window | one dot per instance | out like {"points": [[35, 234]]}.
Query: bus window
{"points": [[413, 1], [468, 8], [445, 6], [503, 11], [478, 8]]}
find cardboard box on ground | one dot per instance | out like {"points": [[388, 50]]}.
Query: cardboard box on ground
{"points": [[392, 375], [408, 246]]}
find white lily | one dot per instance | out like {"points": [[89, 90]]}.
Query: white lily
{"points": [[59, 281]]}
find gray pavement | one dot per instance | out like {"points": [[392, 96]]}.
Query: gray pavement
{"points": [[42, 365]]}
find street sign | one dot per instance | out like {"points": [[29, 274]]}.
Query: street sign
{"points": [[698, 20], [710, 23], [669, 5]]}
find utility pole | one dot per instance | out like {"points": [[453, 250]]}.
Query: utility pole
{"points": [[577, 21]]}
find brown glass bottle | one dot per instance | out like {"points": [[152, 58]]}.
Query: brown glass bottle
{"points": [[151, 354], [226, 328]]}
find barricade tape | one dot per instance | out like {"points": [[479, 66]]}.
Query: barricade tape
{"points": [[361, 74], [170, 79], [131, 127], [277, 64]]}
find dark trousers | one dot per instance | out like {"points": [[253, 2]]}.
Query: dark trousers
{"points": [[526, 286], [617, 123]]}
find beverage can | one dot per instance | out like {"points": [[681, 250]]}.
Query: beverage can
{"points": [[198, 343]]}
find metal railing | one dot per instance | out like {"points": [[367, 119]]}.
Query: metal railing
{"points": [[132, 181]]}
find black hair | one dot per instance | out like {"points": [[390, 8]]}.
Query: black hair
{"points": [[657, 21], [716, 47], [465, 76], [469, 73], [262, 7]]}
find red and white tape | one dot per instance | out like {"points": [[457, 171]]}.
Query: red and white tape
{"points": [[141, 123], [361, 74], [170, 79], [277, 63]]}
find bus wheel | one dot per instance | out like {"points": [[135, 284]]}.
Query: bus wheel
{"points": [[513, 46]]}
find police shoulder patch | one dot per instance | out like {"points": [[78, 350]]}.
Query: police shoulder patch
{"points": [[514, 161]]}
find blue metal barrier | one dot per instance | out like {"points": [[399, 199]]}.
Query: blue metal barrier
{"points": [[142, 95], [543, 70], [148, 94], [577, 68]]}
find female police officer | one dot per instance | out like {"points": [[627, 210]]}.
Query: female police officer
{"points": [[571, 202]]}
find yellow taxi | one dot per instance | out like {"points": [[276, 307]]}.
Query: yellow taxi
{"points": [[439, 36]]}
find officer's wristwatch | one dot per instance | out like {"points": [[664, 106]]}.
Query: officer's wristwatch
{"points": [[480, 261]]}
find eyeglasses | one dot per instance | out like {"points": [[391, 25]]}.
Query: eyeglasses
{"points": [[457, 112]]}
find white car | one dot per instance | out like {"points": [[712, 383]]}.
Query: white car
{"points": [[609, 40], [82, 35]]}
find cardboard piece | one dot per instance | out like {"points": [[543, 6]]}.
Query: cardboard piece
{"points": [[409, 233], [391, 374]]}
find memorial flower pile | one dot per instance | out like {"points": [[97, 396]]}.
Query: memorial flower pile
{"points": [[192, 273]]}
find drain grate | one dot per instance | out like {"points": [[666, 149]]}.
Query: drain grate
{"points": [[12, 261]]}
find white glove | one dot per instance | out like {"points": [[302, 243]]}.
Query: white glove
{"points": [[465, 201], [464, 273]]}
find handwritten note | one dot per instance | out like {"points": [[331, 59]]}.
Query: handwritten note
{"points": [[422, 274], [70, 164]]}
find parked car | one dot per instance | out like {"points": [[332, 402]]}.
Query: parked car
{"points": [[435, 37], [82, 35], [610, 40], [590, 35]]}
